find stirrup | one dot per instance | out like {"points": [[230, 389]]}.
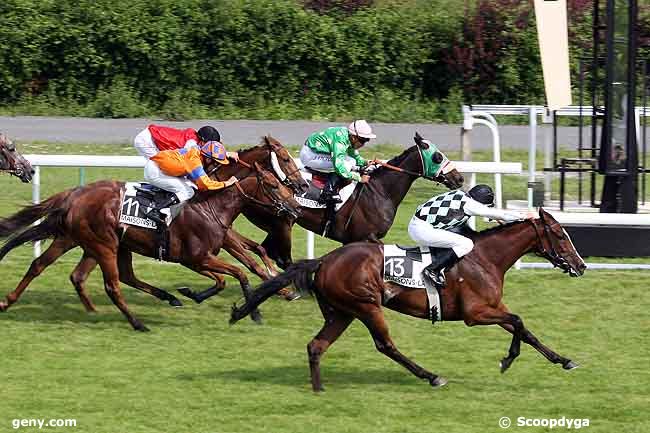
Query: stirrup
{"points": [[438, 278]]}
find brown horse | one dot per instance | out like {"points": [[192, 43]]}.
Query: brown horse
{"points": [[370, 211], [270, 154], [348, 284], [88, 217], [13, 162]]}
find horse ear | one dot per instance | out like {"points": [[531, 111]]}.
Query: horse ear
{"points": [[420, 141], [542, 213]]}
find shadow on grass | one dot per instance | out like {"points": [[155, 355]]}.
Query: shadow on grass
{"points": [[298, 376]]}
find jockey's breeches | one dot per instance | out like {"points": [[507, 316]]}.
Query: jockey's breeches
{"points": [[181, 186], [144, 144], [425, 235], [322, 161]]}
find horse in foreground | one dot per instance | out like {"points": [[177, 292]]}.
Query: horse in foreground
{"points": [[349, 284]]}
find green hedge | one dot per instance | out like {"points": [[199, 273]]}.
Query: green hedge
{"points": [[273, 58]]}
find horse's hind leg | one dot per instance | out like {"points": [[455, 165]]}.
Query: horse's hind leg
{"points": [[107, 259], [127, 276], [58, 247], [336, 322], [78, 279], [372, 316]]}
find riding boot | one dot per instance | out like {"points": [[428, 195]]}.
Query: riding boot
{"points": [[435, 271], [330, 197], [161, 226], [329, 194], [155, 214]]}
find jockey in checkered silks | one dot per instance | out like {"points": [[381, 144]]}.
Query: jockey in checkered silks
{"points": [[433, 219]]}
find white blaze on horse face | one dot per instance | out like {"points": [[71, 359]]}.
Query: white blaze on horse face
{"points": [[276, 167], [572, 246]]}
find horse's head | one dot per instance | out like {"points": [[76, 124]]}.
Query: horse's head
{"points": [[284, 166], [267, 191], [436, 165], [13, 162], [554, 244]]}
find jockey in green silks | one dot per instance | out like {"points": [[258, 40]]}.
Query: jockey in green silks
{"points": [[335, 151]]}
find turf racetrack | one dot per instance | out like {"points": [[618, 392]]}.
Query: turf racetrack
{"points": [[195, 373]]}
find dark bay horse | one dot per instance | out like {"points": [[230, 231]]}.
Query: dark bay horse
{"points": [[13, 162], [348, 284], [368, 214], [270, 154], [88, 217]]}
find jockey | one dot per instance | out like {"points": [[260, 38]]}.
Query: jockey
{"points": [[334, 151], [433, 219], [155, 138], [168, 169]]}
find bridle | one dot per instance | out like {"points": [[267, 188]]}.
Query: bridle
{"points": [[438, 178], [282, 177], [277, 205], [8, 146], [549, 253]]}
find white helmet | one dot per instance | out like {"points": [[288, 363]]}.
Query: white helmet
{"points": [[361, 128]]}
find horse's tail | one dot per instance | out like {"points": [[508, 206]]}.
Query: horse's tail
{"points": [[300, 274], [48, 228], [30, 214]]}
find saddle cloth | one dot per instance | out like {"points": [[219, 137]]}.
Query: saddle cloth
{"points": [[138, 199], [310, 198], [404, 266]]}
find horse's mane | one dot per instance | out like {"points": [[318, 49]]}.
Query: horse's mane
{"points": [[467, 231], [396, 161]]}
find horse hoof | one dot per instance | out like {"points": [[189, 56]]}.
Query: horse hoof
{"points": [[175, 303], [289, 295], [570, 365], [438, 382], [140, 327], [505, 364], [3, 306], [257, 317]]}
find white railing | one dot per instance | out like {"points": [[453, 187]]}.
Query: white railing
{"points": [[81, 161]]}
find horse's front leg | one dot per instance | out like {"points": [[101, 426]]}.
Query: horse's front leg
{"points": [[529, 338], [238, 247], [212, 264]]}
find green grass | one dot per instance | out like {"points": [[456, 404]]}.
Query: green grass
{"points": [[194, 373]]}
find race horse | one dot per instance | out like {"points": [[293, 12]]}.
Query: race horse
{"points": [[88, 217], [12, 162], [270, 154], [349, 284]]}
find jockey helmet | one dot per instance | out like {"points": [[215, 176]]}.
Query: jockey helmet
{"points": [[208, 133], [361, 129], [482, 194], [215, 151]]}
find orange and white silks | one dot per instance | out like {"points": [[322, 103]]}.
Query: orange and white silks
{"points": [[183, 162]]}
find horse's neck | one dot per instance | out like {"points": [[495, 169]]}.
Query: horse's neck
{"points": [[395, 185], [504, 247], [221, 207]]}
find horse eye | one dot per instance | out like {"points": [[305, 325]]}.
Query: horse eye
{"points": [[437, 158]]}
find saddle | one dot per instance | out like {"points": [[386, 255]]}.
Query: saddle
{"points": [[404, 265], [316, 181], [140, 198]]}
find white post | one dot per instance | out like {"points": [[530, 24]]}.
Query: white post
{"points": [[496, 150], [36, 198], [472, 184], [310, 244], [532, 116]]}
